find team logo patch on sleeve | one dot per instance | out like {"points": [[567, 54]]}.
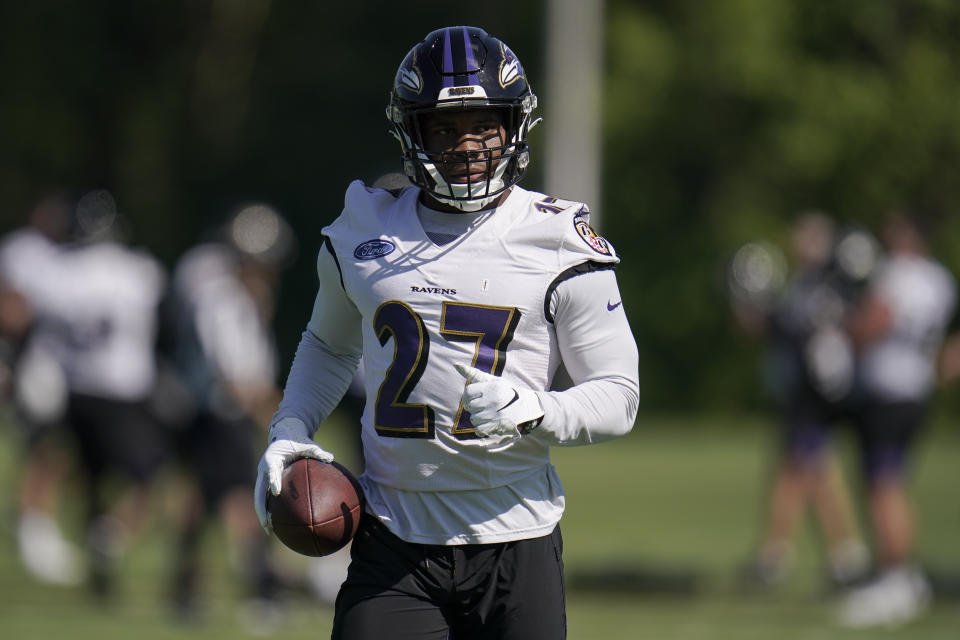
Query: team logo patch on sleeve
{"points": [[373, 249], [596, 242]]}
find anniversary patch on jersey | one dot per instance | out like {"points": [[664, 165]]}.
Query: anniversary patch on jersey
{"points": [[595, 241], [373, 249]]}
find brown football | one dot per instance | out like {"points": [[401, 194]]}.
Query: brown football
{"points": [[318, 509]]}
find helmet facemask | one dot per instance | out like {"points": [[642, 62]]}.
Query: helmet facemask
{"points": [[502, 165]]}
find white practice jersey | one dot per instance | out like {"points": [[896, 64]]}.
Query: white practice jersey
{"points": [[223, 321], [488, 300], [29, 263], [107, 320], [921, 295]]}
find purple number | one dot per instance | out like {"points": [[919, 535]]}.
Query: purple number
{"points": [[489, 328], [393, 416]]}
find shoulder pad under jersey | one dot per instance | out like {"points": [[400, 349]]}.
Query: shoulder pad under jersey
{"points": [[567, 223], [367, 210]]}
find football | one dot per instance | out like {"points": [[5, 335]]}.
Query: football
{"points": [[318, 509]]}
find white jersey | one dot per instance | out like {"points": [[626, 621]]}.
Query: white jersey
{"points": [[29, 264], [107, 318], [488, 300], [222, 334], [921, 296]]}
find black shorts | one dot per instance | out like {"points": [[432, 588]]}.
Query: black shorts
{"points": [[807, 423], [117, 437], [886, 432], [221, 453], [405, 591]]}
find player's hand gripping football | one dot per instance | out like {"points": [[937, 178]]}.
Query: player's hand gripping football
{"points": [[498, 408], [289, 440]]}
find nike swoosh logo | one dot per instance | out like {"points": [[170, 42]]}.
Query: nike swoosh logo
{"points": [[516, 396], [611, 307]]}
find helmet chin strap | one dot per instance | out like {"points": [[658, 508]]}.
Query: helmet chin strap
{"points": [[464, 198]]}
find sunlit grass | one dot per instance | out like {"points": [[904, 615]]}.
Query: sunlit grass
{"points": [[674, 504]]}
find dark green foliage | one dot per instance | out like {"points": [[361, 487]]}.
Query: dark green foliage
{"points": [[724, 119], [721, 120]]}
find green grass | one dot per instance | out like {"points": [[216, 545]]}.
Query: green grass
{"points": [[684, 495], [680, 497]]}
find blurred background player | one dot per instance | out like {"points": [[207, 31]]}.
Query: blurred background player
{"points": [[223, 350], [897, 329], [33, 384], [105, 322], [809, 373]]}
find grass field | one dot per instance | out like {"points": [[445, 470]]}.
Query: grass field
{"points": [[656, 526]]}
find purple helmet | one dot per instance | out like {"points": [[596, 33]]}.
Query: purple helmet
{"points": [[462, 68]]}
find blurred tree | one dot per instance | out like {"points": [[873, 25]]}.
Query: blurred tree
{"points": [[724, 119], [721, 120], [187, 108]]}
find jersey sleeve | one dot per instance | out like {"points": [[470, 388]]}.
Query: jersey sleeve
{"points": [[335, 319], [328, 353], [599, 351]]}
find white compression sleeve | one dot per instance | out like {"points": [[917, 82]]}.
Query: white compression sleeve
{"points": [[318, 379], [328, 353], [600, 354]]}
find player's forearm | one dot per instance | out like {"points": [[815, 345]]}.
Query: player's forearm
{"points": [[590, 412], [600, 354], [318, 380]]}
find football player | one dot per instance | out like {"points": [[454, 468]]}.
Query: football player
{"points": [[463, 293], [898, 329], [34, 386], [105, 315], [808, 369], [223, 358]]}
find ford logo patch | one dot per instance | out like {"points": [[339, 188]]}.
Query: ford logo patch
{"points": [[373, 249]]}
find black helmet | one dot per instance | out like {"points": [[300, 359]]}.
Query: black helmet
{"points": [[462, 68]]}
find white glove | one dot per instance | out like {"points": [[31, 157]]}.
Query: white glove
{"points": [[497, 407], [289, 440]]}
